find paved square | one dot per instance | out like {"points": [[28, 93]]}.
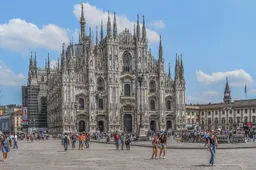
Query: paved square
{"points": [[49, 155]]}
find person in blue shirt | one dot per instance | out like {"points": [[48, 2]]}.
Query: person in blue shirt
{"points": [[206, 137]]}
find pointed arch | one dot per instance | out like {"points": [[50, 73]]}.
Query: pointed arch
{"points": [[127, 62]]}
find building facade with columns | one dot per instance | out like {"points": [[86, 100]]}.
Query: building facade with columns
{"points": [[113, 83], [227, 115]]}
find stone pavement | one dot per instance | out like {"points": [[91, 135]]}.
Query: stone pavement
{"points": [[181, 145], [49, 155]]}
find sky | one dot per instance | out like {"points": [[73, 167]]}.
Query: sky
{"points": [[216, 39]]}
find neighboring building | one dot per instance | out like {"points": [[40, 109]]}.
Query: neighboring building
{"points": [[5, 124], [34, 96], [12, 108], [227, 115], [16, 121], [102, 80]]}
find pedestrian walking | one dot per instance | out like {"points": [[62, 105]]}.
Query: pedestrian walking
{"points": [[212, 145], [117, 140], [66, 142], [15, 142], [73, 140], [155, 143], [5, 145], [163, 142], [128, 142], [81, 144], [122, 141]]}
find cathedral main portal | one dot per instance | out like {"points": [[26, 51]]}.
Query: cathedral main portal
{"points": [[128, 123]]}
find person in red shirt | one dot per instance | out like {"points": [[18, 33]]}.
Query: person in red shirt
{"points": [[117, 139]]}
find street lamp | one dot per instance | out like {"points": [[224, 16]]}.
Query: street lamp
{"points": [[140, 80]]}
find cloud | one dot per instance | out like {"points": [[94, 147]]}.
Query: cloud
{"points": [[158, 24], [205, 97], [54, 64], [236, 78], [19, 35], [9, 78], [93, 17]]}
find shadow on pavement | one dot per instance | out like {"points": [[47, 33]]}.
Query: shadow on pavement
{"points": [[200, 165]]}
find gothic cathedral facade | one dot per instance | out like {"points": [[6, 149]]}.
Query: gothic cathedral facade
{"points": [[113, 83]]}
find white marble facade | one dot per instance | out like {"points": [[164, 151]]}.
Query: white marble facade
{"points": [[100, 77]]}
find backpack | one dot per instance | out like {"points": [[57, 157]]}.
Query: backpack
{"points": [[66, 139]]}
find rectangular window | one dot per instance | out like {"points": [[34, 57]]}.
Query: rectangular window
{"points": [[245, 111], [238, 111], [209, 113], [253, 110]]}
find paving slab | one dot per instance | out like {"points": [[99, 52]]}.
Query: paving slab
{"points": [[49, 155]]}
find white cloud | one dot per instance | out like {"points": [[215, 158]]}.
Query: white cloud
{"points": [[19, 35], [205, 97], [158, 24], [236, 77], [9, 78], [93, 17], [54, 64]]}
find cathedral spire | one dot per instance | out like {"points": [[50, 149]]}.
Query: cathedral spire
{"points": [[181, 68], [138, 27], [101, 31], [35, 62], [177, 68], [31, 61], [144, 33], [82, 23], [109, 26], [97, 41], [160, 50], [169, 71], [58, 63], [134, 32], [49, 62], [115, 27], [63, 59]]}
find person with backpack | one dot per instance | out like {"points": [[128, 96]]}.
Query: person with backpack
{"points": [[122, 141], [212, 145], [127, 142], [66, 142], [73, 140], [5, 145]]}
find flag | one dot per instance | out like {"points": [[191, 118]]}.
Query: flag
{"points": [[245, 88]]}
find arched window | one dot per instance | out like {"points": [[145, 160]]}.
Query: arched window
{"points": [[81, 103], [168, 105], [209, 121], [245, 119], [223, 120], [152, 86], [253, 119], [202, 122], [42, 78], [100, 84], [230, 120], [127, 90], [216, 120], [101, 104], [127, 62], [238, 120], [152, 105]]}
